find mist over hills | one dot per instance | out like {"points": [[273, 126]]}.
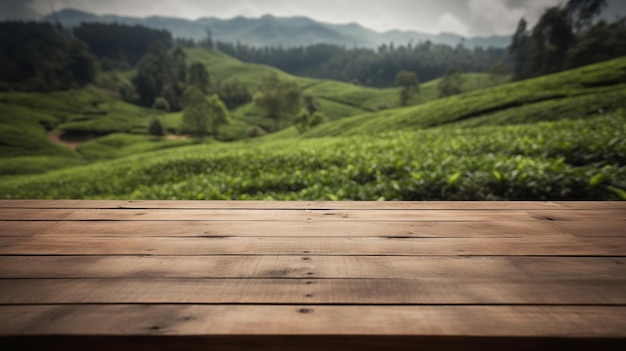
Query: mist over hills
{"points": [[278, 31]]}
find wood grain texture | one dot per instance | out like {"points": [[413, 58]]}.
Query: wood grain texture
{"points": [[430, 291], [231, 275], [306, 266], [31, 214], [164, 319], [337, 246], [299, 229]]}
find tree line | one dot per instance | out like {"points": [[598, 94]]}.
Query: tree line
{"points": [[42, 57], [566, 36], [376, 68]]}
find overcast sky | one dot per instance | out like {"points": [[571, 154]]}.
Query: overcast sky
{"points": [[464, 17]]}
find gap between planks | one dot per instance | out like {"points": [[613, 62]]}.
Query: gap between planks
{"points": [[306, 229], [344, 246], [9, 214]]}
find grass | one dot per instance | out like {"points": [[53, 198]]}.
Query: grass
{"points": [[561, 136], [571, 94], [120, 145], [565, 159], [337, 99]]}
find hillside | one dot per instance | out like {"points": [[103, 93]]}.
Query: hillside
{"points": [[561, 136], [576, 93], [276, 31], [337, 99]]}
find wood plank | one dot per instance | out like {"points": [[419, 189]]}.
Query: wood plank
{"points": [[345, 205], [520, 267], [505, 321], [391, 246], [29, 214], [432, 291], [293, 228], [579, 215], [593, 228]]}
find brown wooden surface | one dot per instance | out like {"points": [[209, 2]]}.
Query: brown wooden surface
{"points": [[230, 275]]}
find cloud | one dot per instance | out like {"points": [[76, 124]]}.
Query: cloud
{"points": [[12, 9], [492, 17], [450, 23], [501, 17], [465, 17]]}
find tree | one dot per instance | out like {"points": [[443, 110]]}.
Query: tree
{"points": [[278, 98], [310, 115], [552, 37], [195, 112], [582, 12], [152, 73], [409, 86], [451, 83], [307, 120], [233, 93], [202, 114], [311, 104], [160, 103], [218, 114], [180, 66], [158, 75], [41, 57], [199, 77], [156, 127], [123, 43], [600, 42], [520, 49]]}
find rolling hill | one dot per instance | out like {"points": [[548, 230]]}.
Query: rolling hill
{"points": [[561, 136]]}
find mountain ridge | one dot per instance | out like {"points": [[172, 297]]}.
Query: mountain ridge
{"points": [[269, 30]]}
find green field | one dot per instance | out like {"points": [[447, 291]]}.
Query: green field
{"points": [[561, 136]]}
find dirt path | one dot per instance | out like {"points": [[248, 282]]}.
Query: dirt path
{"points": [[56, 136]]}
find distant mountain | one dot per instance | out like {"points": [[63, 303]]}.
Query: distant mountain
{"points": [[273, 31]]}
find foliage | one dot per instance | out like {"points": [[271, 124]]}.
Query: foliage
{"points": [[583, 12], [157, 77], [562, 160], [160, 103], [307, 120], [156, 127], [451, 83], [409, 85], [202, 114], [575, 94], [41, 57], [199, 77], [374, 68], [565, 37], [120, 42], [278, 98], [118, 145], [234, 93], [196, 112], [600, 42]]}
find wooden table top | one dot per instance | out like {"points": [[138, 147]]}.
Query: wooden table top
{"points": [[209, 275]]}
